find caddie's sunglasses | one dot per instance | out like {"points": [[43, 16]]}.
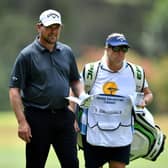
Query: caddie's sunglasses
{"points": [[120, 48]]}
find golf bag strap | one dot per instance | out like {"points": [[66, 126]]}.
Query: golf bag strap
{"points": [[139, 76]]}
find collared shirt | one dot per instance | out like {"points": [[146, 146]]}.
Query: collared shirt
{"points": [[44, 77]]}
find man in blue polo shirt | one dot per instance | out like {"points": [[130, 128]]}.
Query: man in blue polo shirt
{"points": [[42, 75]]}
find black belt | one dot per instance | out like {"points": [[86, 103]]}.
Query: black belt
{"points": [[47, 110]]}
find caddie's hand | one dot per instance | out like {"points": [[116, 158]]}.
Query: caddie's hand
{"points": [[142, 104], [85, 99], [24, 131], [139, 100]]}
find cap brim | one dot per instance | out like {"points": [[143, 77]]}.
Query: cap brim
{"points": [[49, 23], [118, 44]]}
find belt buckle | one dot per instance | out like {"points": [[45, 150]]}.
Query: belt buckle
{"points": [[53, 111]]}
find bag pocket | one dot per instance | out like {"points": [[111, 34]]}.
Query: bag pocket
{"points": [[104, 120]]}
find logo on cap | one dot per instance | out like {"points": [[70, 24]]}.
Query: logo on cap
{"points": [[121, 38], [116, 39], [53, 15]]}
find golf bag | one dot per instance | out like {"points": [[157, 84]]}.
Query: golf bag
{"points": [[148, 140]]}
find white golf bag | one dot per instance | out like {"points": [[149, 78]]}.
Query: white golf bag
{"points": [[148, 140]]}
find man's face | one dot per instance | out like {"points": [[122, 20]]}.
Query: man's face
{"points": [[50, 34]]}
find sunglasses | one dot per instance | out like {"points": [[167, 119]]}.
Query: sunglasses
{"points": [[119, 48]]}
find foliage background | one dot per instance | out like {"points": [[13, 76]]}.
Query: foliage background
{"points": [[86, 25]]}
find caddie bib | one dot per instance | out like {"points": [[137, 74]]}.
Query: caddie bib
{"points": [[109, 121]]}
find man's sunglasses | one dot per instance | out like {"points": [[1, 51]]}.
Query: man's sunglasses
{"points": [[119, 48]]}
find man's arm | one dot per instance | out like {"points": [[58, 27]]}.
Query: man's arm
{"points": [[77, 88], [24, 131]]}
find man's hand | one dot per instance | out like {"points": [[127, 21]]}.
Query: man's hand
{"points": [[24, 131], [76, 126]]}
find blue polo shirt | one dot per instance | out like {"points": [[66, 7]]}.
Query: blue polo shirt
{"points": [[44, 77]]}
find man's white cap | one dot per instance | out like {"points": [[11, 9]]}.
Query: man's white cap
{"points": [[50, 17]]}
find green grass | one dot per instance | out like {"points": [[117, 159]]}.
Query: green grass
{"points": [[12, 148]]}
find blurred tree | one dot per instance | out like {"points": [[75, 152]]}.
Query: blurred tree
{"points": [[13, 36], [86, 24], [155, 35]]}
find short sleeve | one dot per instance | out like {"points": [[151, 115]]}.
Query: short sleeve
{"points": [[18, 73]]}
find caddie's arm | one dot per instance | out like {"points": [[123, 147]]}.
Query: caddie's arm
{"points": [[24, 131]]}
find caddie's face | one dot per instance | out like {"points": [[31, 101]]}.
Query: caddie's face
{"points": [[116, 56], [50, 34]]}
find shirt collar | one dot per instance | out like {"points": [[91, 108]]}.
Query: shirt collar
{"points": [[105, 66], [58, 46]]}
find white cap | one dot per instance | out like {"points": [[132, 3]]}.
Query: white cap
{"points": [[50, 17]]}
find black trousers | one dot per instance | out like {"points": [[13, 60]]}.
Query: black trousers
{"points": [[48, 128]]}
